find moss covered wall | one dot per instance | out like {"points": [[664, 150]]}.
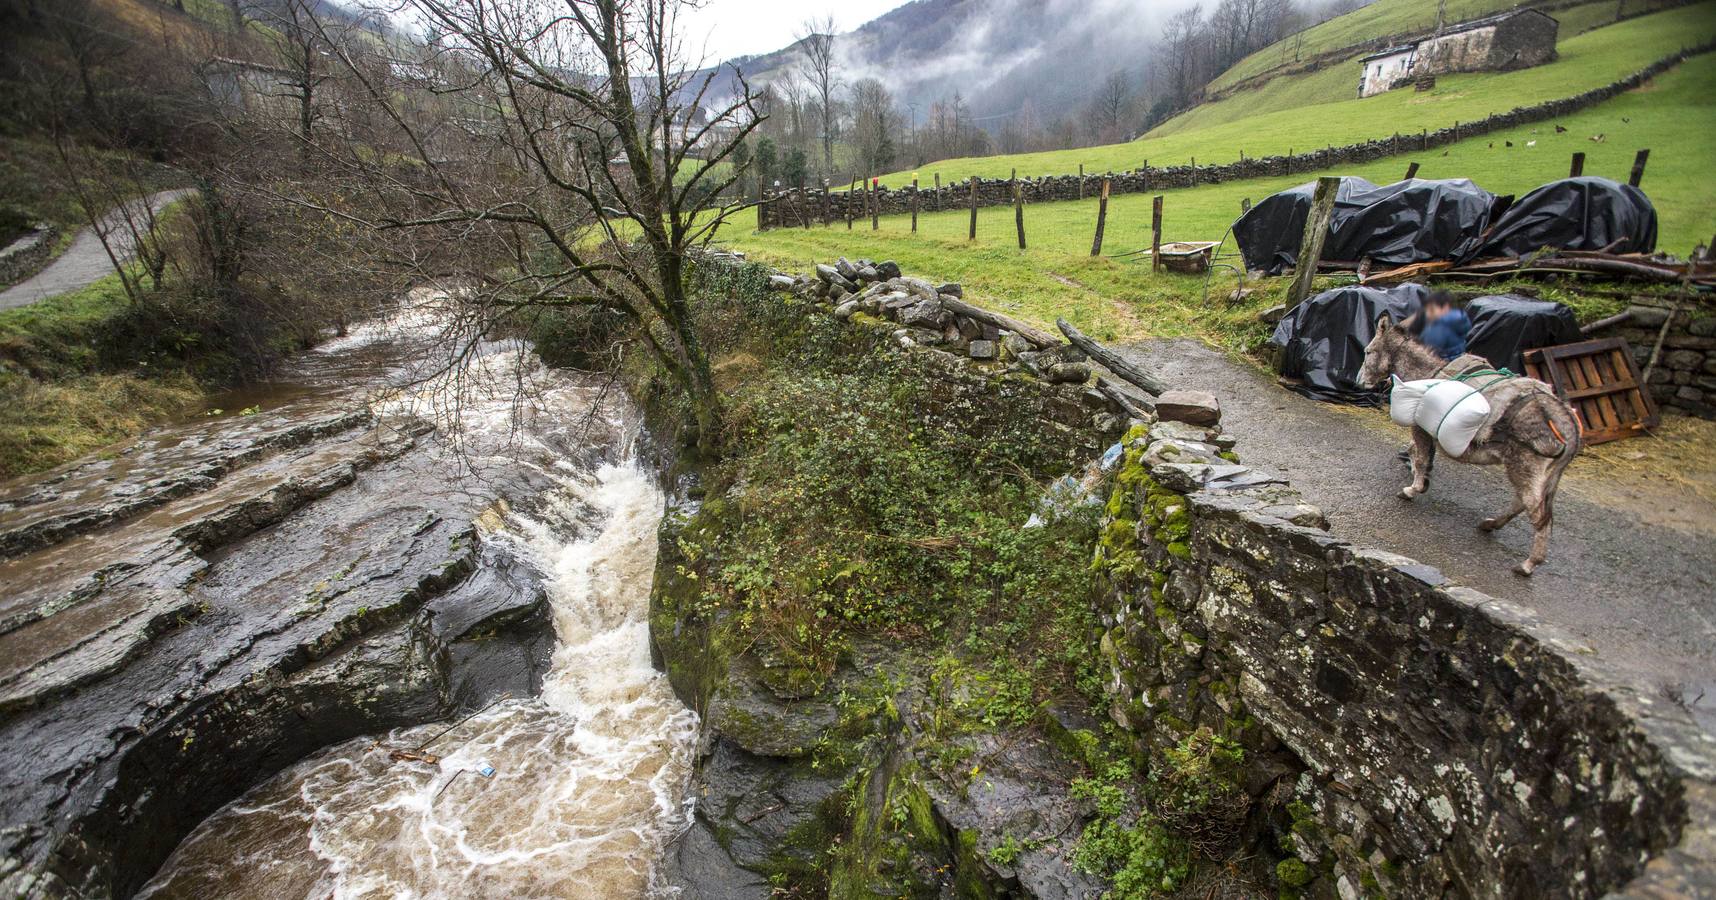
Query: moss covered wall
{"points": [[1422, 740]]}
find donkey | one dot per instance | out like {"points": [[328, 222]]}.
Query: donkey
{"points": [[1530, 432]]}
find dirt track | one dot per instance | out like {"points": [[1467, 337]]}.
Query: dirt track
{"points": [[1631, 570], [85, 261]]}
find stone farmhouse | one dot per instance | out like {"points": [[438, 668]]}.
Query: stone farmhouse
{"points": [[1517, 39]]}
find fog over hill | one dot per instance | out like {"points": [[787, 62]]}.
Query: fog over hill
{"points": [[1039, 58]]}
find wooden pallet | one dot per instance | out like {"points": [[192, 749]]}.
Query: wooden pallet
{"points": [[1601, 381]]}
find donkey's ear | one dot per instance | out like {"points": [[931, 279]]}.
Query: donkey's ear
{"points": [[1383, 323]]}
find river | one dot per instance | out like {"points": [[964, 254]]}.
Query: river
{"points": [[572, 793]]}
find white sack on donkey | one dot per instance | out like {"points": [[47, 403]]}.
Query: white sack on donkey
{"points": [[1451, 411]]}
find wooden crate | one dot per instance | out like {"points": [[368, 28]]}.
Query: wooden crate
{"points": [[1601, 381]]}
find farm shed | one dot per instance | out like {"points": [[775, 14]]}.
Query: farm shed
{"points": [[1517, 39]]}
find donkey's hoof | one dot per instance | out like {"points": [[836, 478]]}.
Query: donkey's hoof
{"points": [[1491, 525], [1525, 568], [1407, 493]]}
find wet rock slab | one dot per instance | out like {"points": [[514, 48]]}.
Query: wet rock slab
{"points": [[216, 601]]}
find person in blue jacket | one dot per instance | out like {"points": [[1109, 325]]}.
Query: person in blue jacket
{"points": [[1444, 326]]}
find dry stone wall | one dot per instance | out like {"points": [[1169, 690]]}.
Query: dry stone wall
{"points": [[27, 255], [802, 208], [1684, 377], [1406, 736]]}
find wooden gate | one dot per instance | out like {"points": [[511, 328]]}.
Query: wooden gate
{"points": [[1601, 381]]}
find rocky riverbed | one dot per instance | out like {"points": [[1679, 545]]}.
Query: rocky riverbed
{"points": [[366, 546]]}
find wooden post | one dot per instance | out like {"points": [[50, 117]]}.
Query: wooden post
{"points": [[1194, 171], [1019, 208], [1638, 167], [827, 206], [973, 235], [914, 206], [1145, 171], [1411, 171], [849, 192], [801, 203], [875, 205], [1311, 243], [1156, 234], [762, 201], [1081, 181], [1101, 219], [1578, 166], [938, 192]]}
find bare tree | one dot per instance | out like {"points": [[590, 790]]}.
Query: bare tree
{"points": [[1109, 107], [874, 123], [300, 40], [816, 42], [586, 185]]}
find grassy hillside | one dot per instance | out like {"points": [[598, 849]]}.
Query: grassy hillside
{"points": [[1120, 297], [1218, 133]]}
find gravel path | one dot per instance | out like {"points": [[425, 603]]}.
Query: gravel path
{"points": [[85, 261], [1639, 589]]}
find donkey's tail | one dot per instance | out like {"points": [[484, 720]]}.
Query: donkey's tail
{"points": [[1563, 438]]}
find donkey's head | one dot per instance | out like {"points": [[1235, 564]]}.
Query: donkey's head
{"points": [[1382, 356]]}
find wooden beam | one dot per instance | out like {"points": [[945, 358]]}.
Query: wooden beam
{"points": [[1411, 171], [1311, 243], [1040, 338], [1577, 167], [1113, 362], [1101, 219], [1639, 167], [875, 205]]}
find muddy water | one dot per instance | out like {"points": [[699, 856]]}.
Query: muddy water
{"points": [[569, 794]]}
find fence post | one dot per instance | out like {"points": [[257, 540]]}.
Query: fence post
{"points": [[1194, 171], [1639, 167], [875, 205], [827, 206], [1019, 208], [938, 192], [849, 192], [973, 235], [801, 203], [1156, 234], [1411, 171], [762, 201], [1311, 244], [914, 206], [1101, 219], [1081, 181], [1578, 166]]}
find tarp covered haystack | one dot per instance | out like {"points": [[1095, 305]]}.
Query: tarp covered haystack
{"points": [[1411, 221], [1322, 340], [1507, 325], [1586, 213]]}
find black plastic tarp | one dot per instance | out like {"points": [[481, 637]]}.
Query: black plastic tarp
{"points": [[1323, 339], [1406, 222], [1507, 325], [1586, 213]]}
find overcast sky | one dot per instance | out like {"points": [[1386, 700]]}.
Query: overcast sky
{"points": [[723, 29]]}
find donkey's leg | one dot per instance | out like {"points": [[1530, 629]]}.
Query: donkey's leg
{"points": [[1423, 457], [1506, 515], [1535, 490]]}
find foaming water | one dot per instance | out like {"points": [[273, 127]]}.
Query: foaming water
{"points": [[588, 778]]}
